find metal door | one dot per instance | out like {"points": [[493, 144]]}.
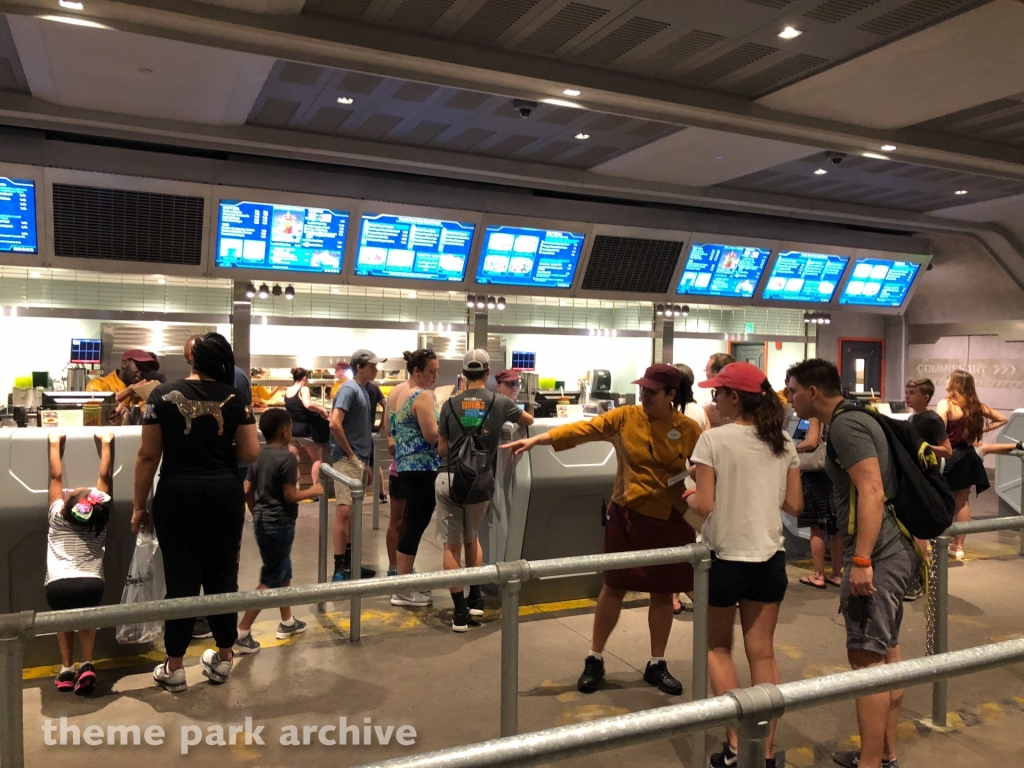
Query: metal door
{"points": [[861, 365], [749, 353]]}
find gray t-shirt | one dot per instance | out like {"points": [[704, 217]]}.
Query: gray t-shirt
{"points": [[466, 412], [354, 401], [855, 437], [269, 474]]}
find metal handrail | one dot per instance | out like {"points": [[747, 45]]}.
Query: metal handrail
{"points": [[752, 708], [328, 472]]}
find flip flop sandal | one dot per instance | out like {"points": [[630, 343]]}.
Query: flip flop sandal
{"points": [[807, 580], [837, 582]]}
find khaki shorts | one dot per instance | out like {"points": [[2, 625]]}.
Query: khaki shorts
{"points": [[353, 468], [456, 524]]}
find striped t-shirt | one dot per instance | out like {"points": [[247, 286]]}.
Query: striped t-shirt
{"points": [[72, 552]]}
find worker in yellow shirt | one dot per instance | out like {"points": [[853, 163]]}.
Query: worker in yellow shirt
{"points": [[135, 364]]}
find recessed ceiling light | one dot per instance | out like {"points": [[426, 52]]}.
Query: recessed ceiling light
{"points": [[36, 274], [562, 103], [161, 280], [960, 192], [874, 156], [582, 136], [345, 100], [820, 172], [335, 290], [71, 5], [888, 147], [75, 22], [789, 33], [719, 157], [570, 92]]}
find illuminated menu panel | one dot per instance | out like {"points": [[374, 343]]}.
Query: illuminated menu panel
{"points": [[410, 247], [280, 237], [879, 283], [810, 277], [18, 216], [535, 257], [722, 270]]}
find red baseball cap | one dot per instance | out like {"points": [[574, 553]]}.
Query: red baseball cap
{"points": [[138, 355], [506, 377], [660, 376], [743, 377]]}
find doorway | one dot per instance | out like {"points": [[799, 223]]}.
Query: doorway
{"points": [[755, 354], [862, 365]]}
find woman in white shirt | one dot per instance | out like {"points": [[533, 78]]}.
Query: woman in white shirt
{"points": [[746, 470]]}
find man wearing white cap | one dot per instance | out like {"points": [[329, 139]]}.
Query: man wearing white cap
{"points": [[351, 446]]}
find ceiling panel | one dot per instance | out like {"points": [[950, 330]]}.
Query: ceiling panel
{"points": [[12, 77], [1000, 120]]}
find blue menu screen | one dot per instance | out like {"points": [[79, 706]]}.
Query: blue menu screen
{"points": [[799, 276], [280, 237], [18, 216], [722, 270], [879, 283], [406, 246], [523, 256]]}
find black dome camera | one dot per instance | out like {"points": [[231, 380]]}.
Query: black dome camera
{"points": [[524, 108], [835, 157]]}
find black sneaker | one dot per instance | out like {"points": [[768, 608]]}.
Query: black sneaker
{"points": [[593, 674], [85, 683], [658, 675], [475, 605], [726, 758], [462, 621], [851, 759], [201, 630]]}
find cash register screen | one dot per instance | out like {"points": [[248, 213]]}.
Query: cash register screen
{"points": [[86, 351]]}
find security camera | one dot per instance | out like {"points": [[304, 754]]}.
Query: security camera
{"points": [[524, 108], [835, 157]]}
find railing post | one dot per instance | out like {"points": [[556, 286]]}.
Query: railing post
{"points": [[941, 626], [356, 565], [376, 488], [12, 715], [1021, 549], [758, 706], [750, 749], [322, 574], [510, 589], [699, 686]]}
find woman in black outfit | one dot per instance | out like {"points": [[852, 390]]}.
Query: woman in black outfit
{"points": [[310, 426], [202, 429]]}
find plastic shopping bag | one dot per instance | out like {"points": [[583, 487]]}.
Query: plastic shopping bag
{"points": [[145, 583]]}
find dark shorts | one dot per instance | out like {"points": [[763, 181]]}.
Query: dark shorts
{"points": [[873, 622], [629, 531], [396, 490], [732, 580], [275, 543], [68, 594], [965, 468]]}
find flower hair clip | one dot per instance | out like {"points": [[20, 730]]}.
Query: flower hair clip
{"points": [[82, 511]]}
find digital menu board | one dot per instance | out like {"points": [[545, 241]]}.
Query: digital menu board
{"points": [[280, 237], [410, 247], [523, 256], [799, 276], [18, 216], [879, 283], [722, 270]]}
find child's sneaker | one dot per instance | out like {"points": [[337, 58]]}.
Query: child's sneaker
{"points": [[85, 683], [247, 644], [214, 667], [65, 681], [475, 605], [284, 631], [170, 681], [393, 570]]}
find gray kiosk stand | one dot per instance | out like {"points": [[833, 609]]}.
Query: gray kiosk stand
{"points": [[547, 505], [23, 520]]}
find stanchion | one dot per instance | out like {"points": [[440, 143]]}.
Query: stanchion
{"points": [[941, 631], [356, 566], [322, 574], [510, 656], [376, 490], [750, 748], [699, 685], [12, 715]]}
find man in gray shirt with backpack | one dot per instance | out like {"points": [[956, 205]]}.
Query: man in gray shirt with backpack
{"points": [[469, 429]]}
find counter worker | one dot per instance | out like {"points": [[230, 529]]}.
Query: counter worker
{"points": [[508, 384], [135, 363], [653, 443]]}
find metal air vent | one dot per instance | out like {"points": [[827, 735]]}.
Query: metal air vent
{"points": [[124, 225], [729, 62], [621, 41], [349, 9], [420, 14], [771, 77], [834, 11], [910, 15], [780, 4], [299, 74], [686, 47], [631, 265], [561, 28], [493, 19]]}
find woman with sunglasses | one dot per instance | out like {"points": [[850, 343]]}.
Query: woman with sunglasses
{"points": [[746, 471], [653, 442]]}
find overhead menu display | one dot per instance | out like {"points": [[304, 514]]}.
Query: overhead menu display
{"points": [[406, 246], [280, 237], [879, 283], [722, 270], [18, 216], [799, 276], [536, 257]]}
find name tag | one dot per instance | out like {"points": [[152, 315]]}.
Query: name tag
{"points": [[674, 434]]}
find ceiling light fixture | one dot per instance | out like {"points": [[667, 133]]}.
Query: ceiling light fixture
{"points": [[277, 290], [71, 5], [789, 33], [289, 293], [76, 22], [264, 291], [686, 310], [501, 302], [161, 280], [34, 275], [345, 100], [820, 172], [562, 103], [471, 301], [874, 156], [412, 294], [659, 310], [481, 302], [250, 291], [960, 192], [570, 92], [888, 148], [491, 302], [719, 157], [582, 136]]}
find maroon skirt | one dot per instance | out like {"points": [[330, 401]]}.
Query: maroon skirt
{"points": [[629, 531]]}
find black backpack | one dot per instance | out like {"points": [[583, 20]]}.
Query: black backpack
{"points": [[471, 469], [923, 503]]}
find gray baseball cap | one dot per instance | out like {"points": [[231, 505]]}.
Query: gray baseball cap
{"points": [[476, 360], [364, 356]]}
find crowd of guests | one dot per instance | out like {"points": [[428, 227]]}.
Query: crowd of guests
{"points": [[720, 472]]}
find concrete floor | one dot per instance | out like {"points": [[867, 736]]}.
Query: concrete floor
{"points": [[410, 669]]}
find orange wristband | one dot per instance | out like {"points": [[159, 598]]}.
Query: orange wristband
{"points": [[861, 562]]}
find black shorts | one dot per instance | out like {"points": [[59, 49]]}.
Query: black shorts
{"points": [[733, 580], [396, 489], [68, 594]]}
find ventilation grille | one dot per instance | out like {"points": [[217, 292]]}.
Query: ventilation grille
{"points": [[561, 28], [634, 32], [349, 9], [631, 265], [420, 14], [685, 48], [911, 15], [730, 62], [773, 76], [834, 11], [494, 19], [779, 4], [123, 225]]}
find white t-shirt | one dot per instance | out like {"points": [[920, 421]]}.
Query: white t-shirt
{"points": [[750, 486], [697, 413], [72, 552]]}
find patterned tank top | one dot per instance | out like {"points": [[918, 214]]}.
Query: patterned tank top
{"points": [[412, 452]]}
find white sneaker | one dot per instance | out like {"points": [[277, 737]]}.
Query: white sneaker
{"points": [[412, 599], [169, 681], [214, 667]]}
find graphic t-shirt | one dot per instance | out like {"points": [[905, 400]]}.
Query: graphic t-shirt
{"points": [[269, 474], [465, 411]]}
